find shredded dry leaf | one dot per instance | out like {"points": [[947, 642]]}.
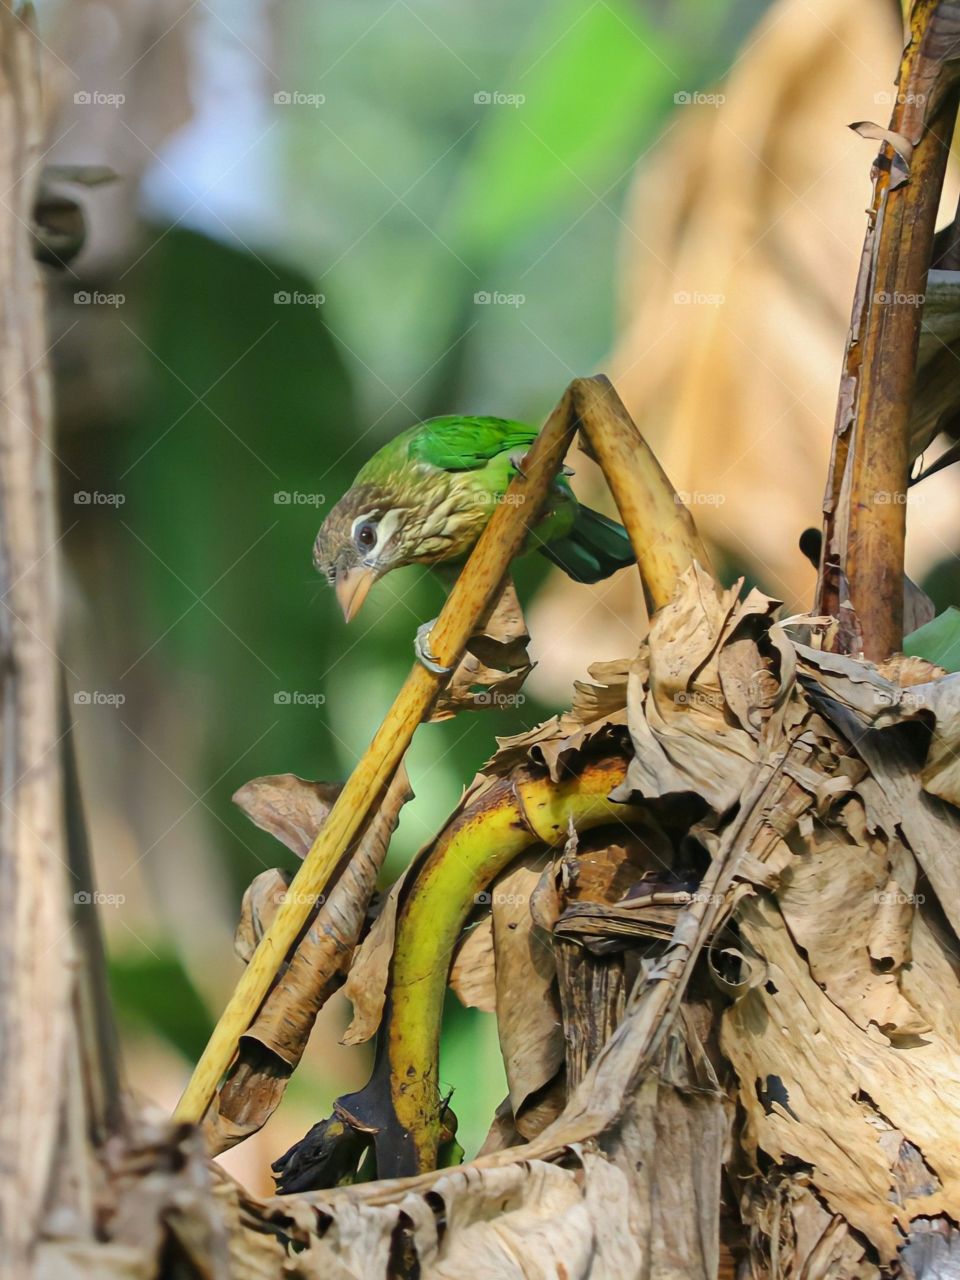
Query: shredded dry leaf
{"points": [[293, 810], [495, 664]]}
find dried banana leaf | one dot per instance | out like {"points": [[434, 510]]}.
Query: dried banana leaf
{"points": [[293, 810]]}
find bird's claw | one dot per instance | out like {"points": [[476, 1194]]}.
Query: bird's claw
{"points": [[517, 459], [425, 656]]}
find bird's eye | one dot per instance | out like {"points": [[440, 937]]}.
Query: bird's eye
{"points": [[365, 535]]}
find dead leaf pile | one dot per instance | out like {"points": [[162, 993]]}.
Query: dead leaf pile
{"points": [[816, 793], [764, 963]]}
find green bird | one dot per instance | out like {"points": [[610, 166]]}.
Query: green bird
{"points": [[426, 497]]}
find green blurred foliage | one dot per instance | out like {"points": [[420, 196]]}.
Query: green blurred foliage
{"points": [[225, 497], [152, 993], [938, 640]]}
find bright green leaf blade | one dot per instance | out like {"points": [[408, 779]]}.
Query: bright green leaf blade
{"points": [[937, 641], [155, 992], [604, 75]]}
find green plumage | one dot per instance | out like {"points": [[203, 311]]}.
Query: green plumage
{"points": [[426, 496], [466, 444]]}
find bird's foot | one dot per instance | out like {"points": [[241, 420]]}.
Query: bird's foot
{"points": [[517, 459], [425, 656]]}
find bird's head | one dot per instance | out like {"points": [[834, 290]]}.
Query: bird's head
{"points": [[361, 539]]}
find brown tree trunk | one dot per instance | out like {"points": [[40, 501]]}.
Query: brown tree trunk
{"points": [[34, 942]]}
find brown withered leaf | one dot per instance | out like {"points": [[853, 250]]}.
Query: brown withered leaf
{"points": [[261, 900], [603, 927], [546, 901], [495, 663], [605, 693], [840, 876], [528, 1008], [294, 810], [941, 771], [288, 807], [473, 972], [601, 869], [503, 1132], [543, 1107], [808, 1073], [686, 737], [897, 792], [609, 894], [598, 713], [819, 1243]]}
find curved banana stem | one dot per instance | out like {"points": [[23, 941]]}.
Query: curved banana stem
{"points": [[401, 1104], [660, 526]]}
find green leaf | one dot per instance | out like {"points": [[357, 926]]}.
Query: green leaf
{"points": [[602, 80], [154, 992], [937, 641]]}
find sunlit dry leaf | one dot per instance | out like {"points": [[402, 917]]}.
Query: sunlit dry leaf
{"points": [[598, 713], [906, 671], [836, 878], [683, 734], [894, 793], [888, 941], [807, 1072], [903, 146]]}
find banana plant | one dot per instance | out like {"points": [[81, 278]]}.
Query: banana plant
{"points": [[400, 1110]]}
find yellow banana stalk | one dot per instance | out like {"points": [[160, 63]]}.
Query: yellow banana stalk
{"points": [[400, 1106]]}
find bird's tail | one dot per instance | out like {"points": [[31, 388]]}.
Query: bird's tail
{"points": [[593, 549]]}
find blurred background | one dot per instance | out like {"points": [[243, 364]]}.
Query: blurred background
{"points": [[329, 221]]}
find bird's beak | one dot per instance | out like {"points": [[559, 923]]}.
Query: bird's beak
{"points": [[351, 587]]}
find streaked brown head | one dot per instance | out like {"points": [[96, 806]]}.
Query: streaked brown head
{"points": [[360, 540]]}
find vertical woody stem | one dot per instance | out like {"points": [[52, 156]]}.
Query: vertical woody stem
{"points": [[34, 941], [861, 572]]}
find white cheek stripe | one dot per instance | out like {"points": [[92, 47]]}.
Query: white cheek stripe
{"points": [[387, 528]]}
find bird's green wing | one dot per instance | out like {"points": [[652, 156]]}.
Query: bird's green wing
{"points": [[465, 444]]}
